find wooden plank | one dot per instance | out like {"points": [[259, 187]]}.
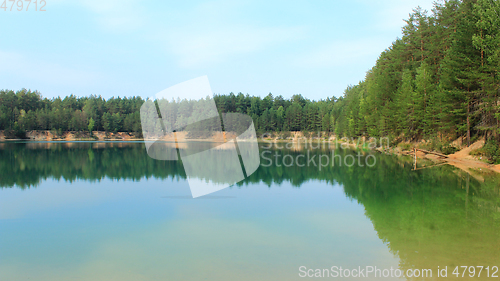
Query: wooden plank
{"points": [[441, 164], [430, 152]]}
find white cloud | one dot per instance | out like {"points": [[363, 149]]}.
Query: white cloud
{"points": [[342, 53], [42, 71], [115, 15], [215, 31], [199, 46], [390, 14]]}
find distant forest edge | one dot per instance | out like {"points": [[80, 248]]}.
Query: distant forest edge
{"points": [[439, 82]]}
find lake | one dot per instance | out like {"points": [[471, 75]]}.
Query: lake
{"points": [[107, 211]]}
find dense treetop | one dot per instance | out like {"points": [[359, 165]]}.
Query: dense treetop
{"points": [[25, 110]]}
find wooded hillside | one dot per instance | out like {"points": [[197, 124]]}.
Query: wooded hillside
{"points": [[440, 79]]}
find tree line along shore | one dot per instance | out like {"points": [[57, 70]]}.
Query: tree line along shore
{"points": [[440, 82]]}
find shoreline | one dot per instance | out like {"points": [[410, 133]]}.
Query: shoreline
{"points": [[460, 159]]}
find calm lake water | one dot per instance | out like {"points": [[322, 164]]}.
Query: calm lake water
{"points": [[106, 211]]}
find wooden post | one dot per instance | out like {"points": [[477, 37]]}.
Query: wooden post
{"points": [[468, 124], [415, 156], [467, 197]]}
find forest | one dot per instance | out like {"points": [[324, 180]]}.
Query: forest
{"points": [[440, 81], [27, 110]]}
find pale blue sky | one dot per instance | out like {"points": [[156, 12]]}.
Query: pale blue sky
{"points": [[131, 47]]}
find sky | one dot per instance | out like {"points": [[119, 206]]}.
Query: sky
{"points": [[139, 48]]}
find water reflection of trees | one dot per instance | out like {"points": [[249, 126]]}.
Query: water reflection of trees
{"points": [[434, 217], [25, 165]]}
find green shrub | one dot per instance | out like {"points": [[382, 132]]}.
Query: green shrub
{"points": [[15, 134], [428, 145], [478, 152], [491, 151], [439, 146], [405, 146], [473, 139], [448, 149]]}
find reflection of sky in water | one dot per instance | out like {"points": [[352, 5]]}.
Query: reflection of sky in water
{"points": [[151, 230]]}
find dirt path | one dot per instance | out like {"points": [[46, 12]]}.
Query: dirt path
{"points": [[465, 153], [463, 160]]}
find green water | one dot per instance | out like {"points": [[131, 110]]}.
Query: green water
{"points": [[106, 211]]}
